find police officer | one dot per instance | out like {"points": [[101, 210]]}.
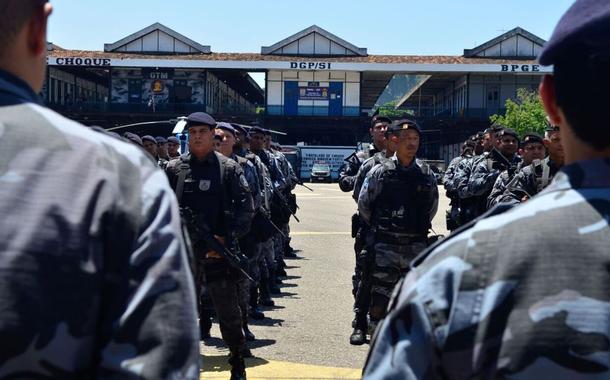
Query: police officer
{"points": [[524, 294], [361, 279], [535, 177], [532, 149], [486, 171], [149, 144], [173, 144], [162, 148], [91, 252], [214, 187], [452, 215], [246, 243], [398, 201]]}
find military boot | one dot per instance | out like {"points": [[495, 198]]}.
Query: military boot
{"points": [[205, 325], [265, 294], [289, 251], [358, 337], [238, 366], [247, 333], [273, 288], [255, 312]]}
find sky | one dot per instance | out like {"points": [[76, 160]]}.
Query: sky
{"points": [[394, 27]]}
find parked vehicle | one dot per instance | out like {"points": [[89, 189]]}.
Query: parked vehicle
{"points": [[320, 172]]}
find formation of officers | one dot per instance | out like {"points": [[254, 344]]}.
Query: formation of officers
{"points": [[397, 199], [495, 167], [234, 186]]}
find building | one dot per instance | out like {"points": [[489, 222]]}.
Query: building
{"points": [[319, 88]]}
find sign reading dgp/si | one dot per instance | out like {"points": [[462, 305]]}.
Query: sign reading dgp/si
{"points": [[310, 65]]}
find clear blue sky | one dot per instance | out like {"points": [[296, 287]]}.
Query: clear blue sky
{"points": [[422, 27]]}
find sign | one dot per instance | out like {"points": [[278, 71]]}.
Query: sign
{"points": [[310, 65], [156, 74], [83, 61], [333, 156], [521, 68], [313, 93]]}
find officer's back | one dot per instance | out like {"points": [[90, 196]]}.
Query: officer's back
{"points": [[88, 220], [524, 294]]}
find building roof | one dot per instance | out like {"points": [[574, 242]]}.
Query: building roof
{"points": [[160, 30], [330, 45], [386, 59], [469, 53]]}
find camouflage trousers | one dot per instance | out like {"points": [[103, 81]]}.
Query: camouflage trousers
{"points": [[268, 258], [391, 263], [228, 291], [278, 249]]}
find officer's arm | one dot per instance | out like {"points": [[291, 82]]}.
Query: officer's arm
{"points": [[148, 328], [498, 190], [243, 206], [482, 179], [460, 180], [434, 203], [371, 188], [520, 188]]}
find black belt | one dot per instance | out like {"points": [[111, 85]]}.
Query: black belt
{"points": [[399, 240]]}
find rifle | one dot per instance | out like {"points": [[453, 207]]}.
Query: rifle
{"points": [[268, 219], [199, 232], [284, 203], [300, 182]]}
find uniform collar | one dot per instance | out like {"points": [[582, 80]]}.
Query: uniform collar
{"points": [[17, 89], [585, 174], [207, 159]]}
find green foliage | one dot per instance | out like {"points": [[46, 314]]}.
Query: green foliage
{"points": [[525, 114], [389, 110]]}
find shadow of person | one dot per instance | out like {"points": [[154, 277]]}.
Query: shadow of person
{"points": [[220, 363], [287, 285], [258, 343], [215, 342], [266, 322]]}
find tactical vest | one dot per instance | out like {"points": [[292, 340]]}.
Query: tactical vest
{"points": [[403, 205]]}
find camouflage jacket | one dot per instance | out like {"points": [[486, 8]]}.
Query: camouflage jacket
{"points": [[348, 174], [450, 173], [95, 281], [520, 295], [462, 174], [373, 186], [364, 169], [505, 180], [531, 180]]}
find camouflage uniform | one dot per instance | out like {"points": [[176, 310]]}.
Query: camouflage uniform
{"points": [[531, 180], [484, 175], [452, 216], [485, 304], [347, 174], [398, 203], [461, 178], [93, 259], [505, 180]]}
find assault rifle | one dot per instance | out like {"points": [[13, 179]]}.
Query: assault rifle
{"points": [[284, 203], [300, 182], [200, 232]]}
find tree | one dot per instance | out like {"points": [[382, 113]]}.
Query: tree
{"points": [[525, 114], [389, 110]]}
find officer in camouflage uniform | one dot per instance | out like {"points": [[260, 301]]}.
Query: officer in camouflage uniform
{"points": [[361, 279], [214, 186], [468, 202], [532, 149], [452, 216], [173, 144], [535, 177], [486, 171], [93, 261], [247, 244], [524, 294], [398, 201]]}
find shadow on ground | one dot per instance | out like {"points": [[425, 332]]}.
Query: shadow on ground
{"points": [[220, 363]]}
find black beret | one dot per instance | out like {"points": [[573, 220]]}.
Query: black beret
{"points": [[173, 139], [226, 127], [200, 118], [257, 130], [586, 23], [161, 140], [403, 125], [380, 119], [240, 128], [508, 132], [531, 137], [149, 138]]}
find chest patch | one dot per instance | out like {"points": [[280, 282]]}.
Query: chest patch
{"points": [[204, 184]]}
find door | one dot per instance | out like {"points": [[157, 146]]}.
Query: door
{"points": [[493, 99], [291, 98], [335, 99]]}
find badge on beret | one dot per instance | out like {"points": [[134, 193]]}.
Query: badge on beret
{"points": [[204, 184]]}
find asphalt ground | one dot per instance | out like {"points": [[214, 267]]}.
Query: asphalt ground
{"points": [[306, 335]]}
